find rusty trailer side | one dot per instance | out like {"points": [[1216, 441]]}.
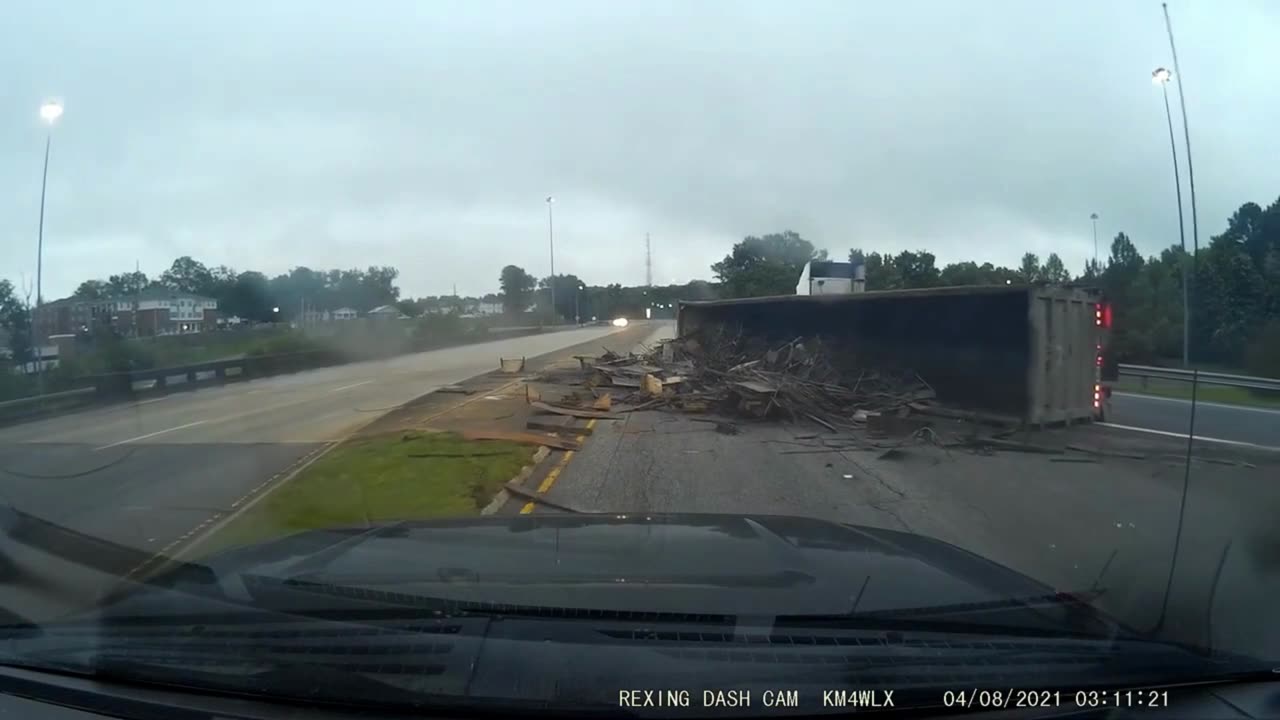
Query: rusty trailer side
{"points": [[1023, 352]]}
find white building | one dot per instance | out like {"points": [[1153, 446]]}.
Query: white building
{"points": [[825, 277]]}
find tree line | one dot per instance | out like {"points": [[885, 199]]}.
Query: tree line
{"points": [[522, 293]]}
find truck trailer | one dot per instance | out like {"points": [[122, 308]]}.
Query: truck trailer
{"points": [[1033, 354]]}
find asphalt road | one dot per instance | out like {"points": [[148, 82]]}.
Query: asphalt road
{"points": [[1067, 524], [1237, 423], [148, 474]]}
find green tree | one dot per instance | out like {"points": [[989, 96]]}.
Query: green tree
{"points": [[916, 269], [1054, 271], [880, 271], [566, 291], [517, 289], [768, 265], [1029, 269], [15, 320], [128, 283], [187, 275], [92, 290]]}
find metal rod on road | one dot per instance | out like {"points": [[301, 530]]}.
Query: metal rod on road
{"points": [[1191, 184]]}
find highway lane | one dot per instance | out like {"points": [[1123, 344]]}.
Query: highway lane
{"points": [[1112, 521], [145, 474], [1238, 423]]}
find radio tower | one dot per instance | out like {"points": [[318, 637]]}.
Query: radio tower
{"points": [[648, 262]]}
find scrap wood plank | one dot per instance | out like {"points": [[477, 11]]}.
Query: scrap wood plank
{"points": [[1107, 453], [573, 412], [970, 415], [515, 489], [1016, 446], [756, 386], [524, 438], [534, 424]]}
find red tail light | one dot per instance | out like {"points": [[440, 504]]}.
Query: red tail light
{"points": [[1102, 315]]}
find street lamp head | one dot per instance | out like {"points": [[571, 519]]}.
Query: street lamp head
{"points": [[51, 111], [1093, 216], [550, 199], [1160, 76]]}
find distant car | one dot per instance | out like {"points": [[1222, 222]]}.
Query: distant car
{"points": [[620, 322]]}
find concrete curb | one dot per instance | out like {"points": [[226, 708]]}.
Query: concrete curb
{"points": [[503, 496]]}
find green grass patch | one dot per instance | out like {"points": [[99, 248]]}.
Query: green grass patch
{"points": [[399, 476], [1205, 393]]}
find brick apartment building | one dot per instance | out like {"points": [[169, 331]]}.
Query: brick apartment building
{"points": [[154, 311]]}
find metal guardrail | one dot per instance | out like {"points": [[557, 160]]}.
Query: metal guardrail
{"points": [[134, 382], [1200, 376], [48, 396]]}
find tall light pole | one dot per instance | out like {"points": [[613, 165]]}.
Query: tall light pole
{"points": [[1161, 76], [50, 111], [551, 239], [577, 295], [1094, 218]]}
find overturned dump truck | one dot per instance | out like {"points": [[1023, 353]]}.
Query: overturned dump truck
{"points": [[1030, 354]]}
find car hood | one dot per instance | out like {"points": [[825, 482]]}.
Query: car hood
{"points": [[672, 563]]}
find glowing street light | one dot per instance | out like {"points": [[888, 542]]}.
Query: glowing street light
{"points": [[51, 111]]}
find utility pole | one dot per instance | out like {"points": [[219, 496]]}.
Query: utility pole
{"points": [[49, 112], [648, 261], [137, 295], [1094, 218], [551, 239]]}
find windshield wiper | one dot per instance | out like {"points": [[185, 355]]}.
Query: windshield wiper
{"points": [[301, 681], [1081, 619]]}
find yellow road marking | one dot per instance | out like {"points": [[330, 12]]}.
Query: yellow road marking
{"points": [[554, 473]]}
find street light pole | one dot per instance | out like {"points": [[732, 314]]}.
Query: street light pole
{"points": [[1094, 218], [551, 239], [49, 112], [577, 295], [1161, 76]]}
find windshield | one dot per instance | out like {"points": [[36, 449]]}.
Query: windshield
{"points": [[556, 353]]}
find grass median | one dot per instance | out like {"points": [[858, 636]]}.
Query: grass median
{"points": [[1204, 393], [397, 476]]}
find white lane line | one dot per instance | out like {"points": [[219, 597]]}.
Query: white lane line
{"points": [[1201, 403], [1183, 436], [348, 387], [151, 435], [152, 400]]}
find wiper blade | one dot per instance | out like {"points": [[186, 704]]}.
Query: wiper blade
{"points": [[303, 681], [1082, 620], [306, 597]]}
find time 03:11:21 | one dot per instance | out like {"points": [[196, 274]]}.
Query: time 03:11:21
{"points": [[1122, 698]]}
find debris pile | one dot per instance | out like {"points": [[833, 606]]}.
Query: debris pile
{"points": [[805, 378]]}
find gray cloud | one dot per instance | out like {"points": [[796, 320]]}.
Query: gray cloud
{"points": [[426, 134]]}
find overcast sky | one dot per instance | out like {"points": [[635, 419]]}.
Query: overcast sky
{"points": [[426, 135]]}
